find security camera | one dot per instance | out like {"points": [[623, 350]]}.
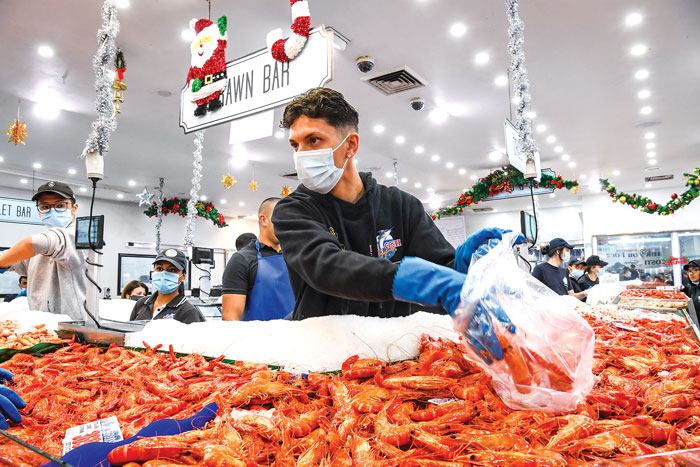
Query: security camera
{"points": [[365, 64], [417, 104]]}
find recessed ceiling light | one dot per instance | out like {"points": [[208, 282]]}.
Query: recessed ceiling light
{"points": [[132, 183], [572, 164], [649, 135], [639, 49], [458, 30], [583, 176], [417, 185], [501, 80], [122, 3], [472, 177], [616, 172], [379, 129], [419, 149], [495, 155], [400, 140], [646, 110], [279, 134], [644, 94], [651, 154], [388, 174], [222, 201], [558, 148], [531, 114], [651, 162], [541, 128], [565, 157], [450, 165], [651, 145], [641, 74], [2, 159], [45, 51], [404, 180], [187, 34], [552, 195], [481, 58], [241, 203], [462, 171], [72, 171], [37, 165], [633, 19], [23, 181], [203, 197], [429, 190], [434, 202], [120, 196], [551, 139], [438, 115], [434, 158], [647, 185], [83, 189]]}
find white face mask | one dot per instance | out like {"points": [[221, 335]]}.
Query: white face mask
{"points": [[316, 168]]}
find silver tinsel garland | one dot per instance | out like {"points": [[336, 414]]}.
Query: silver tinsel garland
{"points": [[194, 191], [159, 213], [396, 172], [105, 123], [521, 85]]}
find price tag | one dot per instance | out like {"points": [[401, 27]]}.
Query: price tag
{"points": [[104, 430]]}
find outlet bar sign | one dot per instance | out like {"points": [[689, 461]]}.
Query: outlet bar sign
{"points": [[19, 211], [258, 82]]}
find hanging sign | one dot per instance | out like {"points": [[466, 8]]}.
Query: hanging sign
{"points": [[19, 211], [516, 157], [258, 82]]}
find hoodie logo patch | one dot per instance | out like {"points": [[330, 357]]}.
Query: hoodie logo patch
{"points": [[386, 244]]}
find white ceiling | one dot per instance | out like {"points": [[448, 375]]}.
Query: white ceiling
{"points": [[578, 57]]}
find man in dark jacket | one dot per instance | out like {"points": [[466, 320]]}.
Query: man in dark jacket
{"points": [[353, 246]]}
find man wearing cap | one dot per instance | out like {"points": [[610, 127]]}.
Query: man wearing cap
{"points": [[593, 267], [692, 289], [55, 269], [169, 301], [576, 266], [552, 273]]}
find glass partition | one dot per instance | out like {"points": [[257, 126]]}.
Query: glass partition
{"points": [[648, 253]]}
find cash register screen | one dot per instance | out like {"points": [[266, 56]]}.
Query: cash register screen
{"points": [[210, 312], [81, 232]]}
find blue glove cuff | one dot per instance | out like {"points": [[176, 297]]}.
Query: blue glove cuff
{"points": [[420, 281]]}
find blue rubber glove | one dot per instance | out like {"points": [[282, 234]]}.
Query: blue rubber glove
{"points": [[9, 401], [463, 253], [23, 293], [3, 270]]}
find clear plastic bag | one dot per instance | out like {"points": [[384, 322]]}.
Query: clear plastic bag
{"points": [[547, 346]]}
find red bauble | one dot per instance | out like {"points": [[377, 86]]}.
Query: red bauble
{"points": [[674, 196]]}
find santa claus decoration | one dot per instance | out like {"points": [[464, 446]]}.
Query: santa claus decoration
{"points": [[207, 75]]}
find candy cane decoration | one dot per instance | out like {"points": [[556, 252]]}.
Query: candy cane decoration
{"points": [[284, 50]]}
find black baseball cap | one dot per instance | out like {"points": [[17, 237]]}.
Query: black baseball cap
{"points": [[576, 262], [695, 262], [174, 257], [559, 242], [595, 261], [58, 188]]}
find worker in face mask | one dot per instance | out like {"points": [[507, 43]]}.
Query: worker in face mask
{"points": [[554, 273], [169, 301], [575, 267], [692, 288], [55, 269]]}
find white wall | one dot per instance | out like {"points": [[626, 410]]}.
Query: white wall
{"points": [[125, 222]]}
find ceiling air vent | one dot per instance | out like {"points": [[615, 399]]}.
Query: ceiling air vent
{"points": [[290, 175], [648, 123], [482, 209], [395, 80], [658, 178]]}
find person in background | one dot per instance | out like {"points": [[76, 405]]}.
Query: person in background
{"points": [[634, 271], [626, 274], [645, 277], [575, 273], [54, 267], [134, 290], [551, 273], [692, 290], [244, 240], [23, 290], [590, 276], [662, 278], [169, 301], [256, 284]]}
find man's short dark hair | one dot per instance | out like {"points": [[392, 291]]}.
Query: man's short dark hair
{"points": [[322, 103], [266, 203], [20, 279], [244, 240]]}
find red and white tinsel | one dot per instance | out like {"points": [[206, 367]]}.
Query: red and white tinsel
{"points": [[284, 50]]}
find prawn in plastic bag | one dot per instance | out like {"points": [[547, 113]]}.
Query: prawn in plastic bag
{"points": [[537, 349]]}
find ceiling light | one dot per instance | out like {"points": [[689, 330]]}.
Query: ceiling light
{"points": [[279, 134], [187, 35], [203, 198], [222, 201], [404, 180], [495, 155], [241, 203], [36, 165], [583, 176], [434, 202], [551, 139], [46, 106], [132, 183], [647, 185], [644, 93], [651, 162], [541, 128], [83, 189], [531, 114], [379, 129], [473, 177], [633, 19], [639, 49], [120, 196], [649, 135], [45, 51], [462, 171], [400, 140], [572, 164], [434, 158], [565, 157], [438, 115], [429, 190], [552, 195], [2, 159], [558, 148], [616, 172], [641, 74], [501, 80], [72, 171], [651, 145], [481, 58], [645, 110], [417, 185], [419, 149], [651, 154], [450, 165], [458, 30], [122, 3], [388, 174], [23, 181]]}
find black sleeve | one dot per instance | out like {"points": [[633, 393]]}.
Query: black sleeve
{"points": [[568, 283], [315, 254], [236, 276], [189, 313], [425, 240]]}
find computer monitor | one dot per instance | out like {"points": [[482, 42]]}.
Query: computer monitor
{"points": [[528, 226], [96, 232], [202, 255]]}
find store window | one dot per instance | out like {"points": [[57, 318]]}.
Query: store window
{"points": [[649, 253], [134, 268], [690, 245]]}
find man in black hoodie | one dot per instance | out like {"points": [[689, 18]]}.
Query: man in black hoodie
{"points": [[353, 246]]}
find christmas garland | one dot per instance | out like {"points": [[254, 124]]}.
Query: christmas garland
{"points": [[179, 206], [498, 181], [650, 207]]}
